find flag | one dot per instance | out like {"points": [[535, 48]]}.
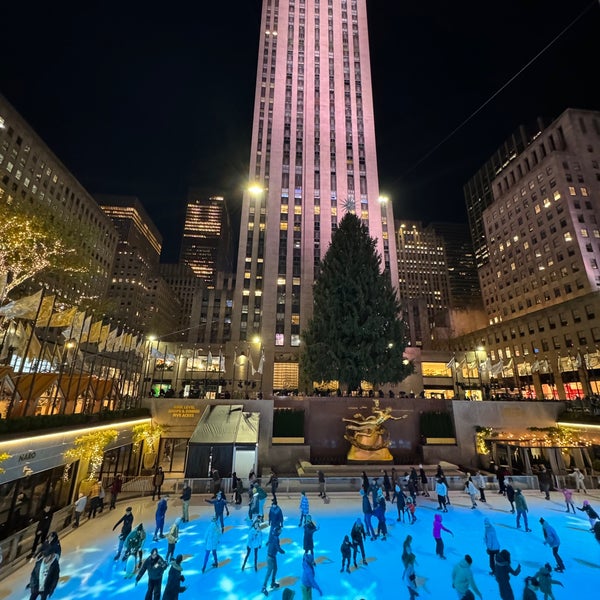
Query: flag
{"points": [[74, 330], [544, 366], [93, 335], [449, 365], [577, 362], [34, 349], [109, 342], [497, 368], [209, 360], [559, 363], [221, 361], [535, 366], [261, 363], [252, 369], [64, 318], [23, 308], [45, 312]]}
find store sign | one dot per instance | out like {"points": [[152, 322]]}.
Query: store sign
{"points": [[184, 411]]}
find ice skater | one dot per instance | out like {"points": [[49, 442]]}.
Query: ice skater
{"points": [[186, 496], [568, 495], [159, 515], [481, 482], [346, 552], [358, 536], [472, 492], [551, 539], [367, 514], [275, 515], [407, 549], [579, 480], [409, 576], [522, 509], [411, 508], [510, 495], [463, 581], [492, 546], [387, 485], [503, 572], [308, 577], [442, 491], [44, 577], [531, 587], [545, 480], [157, 481], [172, 539], [322, 485], [438, 527], [424, 481], [379, 512], [400, 501], [174, 580], [592, 515], [310, 528], [212, 539], [220, 505], [79, 507], [254, 542], [544, 577], [273, 549], [134, 542], [274, 483], [304, 507], [155, 565]]}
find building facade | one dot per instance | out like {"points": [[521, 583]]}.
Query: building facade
{"points": [[313, 159]]}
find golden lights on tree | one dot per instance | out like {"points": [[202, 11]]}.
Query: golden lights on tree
{"points": [[149, 434], [4, 456], [91, 447]]}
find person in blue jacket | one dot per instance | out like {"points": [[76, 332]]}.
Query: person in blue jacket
{"points": [[551, 539]]}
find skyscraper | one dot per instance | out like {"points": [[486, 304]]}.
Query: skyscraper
{"points": [[206, 245], [313, 159]]}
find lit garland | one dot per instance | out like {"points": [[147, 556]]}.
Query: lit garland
{"points": [[149, 434], [481, 436], [91, 447], [557, 436], [4, 456]]}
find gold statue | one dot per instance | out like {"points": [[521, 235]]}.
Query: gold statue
{"points": [[368, 437]]}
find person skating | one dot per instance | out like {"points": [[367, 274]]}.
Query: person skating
{"points": [[275, 515], [367, 513], [462, 579], [503, 571], [53, 544], [253, 542], [115, 489], [346, 552], [442, 493], [492, 546], [409, 576], [186, 496], [379, 512], [411, 508], [127, 523], [365, 482], [304, 507], [273, 549], [43, 527], [472, 492], [544, 479], [480, 481], [174, 580], [79, 507], [237, 487], [322, 484], [159, 517], [551, 539], [544, 577], [531, 587], [424, 481], [308, 542], [253, 505], [438, 527], [134, 542], [358, 536], [510, 495], [413, 480], [157, 481], [400, 501], [568, 495], [501, 476], [155, 566], [172, 539], [212, 539], [592, 515], [308, 577], [262, 498], [220, 505], [274, 483], [579, 481], [407, 549], [387, 485], [44, 577], [522, 509]]}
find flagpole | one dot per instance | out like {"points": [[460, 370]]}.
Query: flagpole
{"points": [[206, 371]]}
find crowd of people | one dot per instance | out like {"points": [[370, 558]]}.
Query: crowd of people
{"points": [[375, 498]]}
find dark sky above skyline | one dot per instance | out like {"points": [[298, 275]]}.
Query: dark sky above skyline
{"points": [[147, 101]]}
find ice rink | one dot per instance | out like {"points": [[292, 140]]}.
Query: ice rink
{"points": [[89, 571]]}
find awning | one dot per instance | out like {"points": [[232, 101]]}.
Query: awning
{"points": [[226, 424], [102, 388], [73, 386], [33, 385]]}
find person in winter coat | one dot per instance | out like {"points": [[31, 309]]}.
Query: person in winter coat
{"points": [[253, 542], [220, 505], [358, 535], [43, 527], [186, 496], [568, 494], [44, 577], [262, 498], [275, 515], [367, 513], [346, 551], [155, 565], [579, 480], [253, 506], [95, 502], [365, 482], [551, 539], [237, 487], [531, 587], [424, 481], [127, 524], [400, 501], [387, 485], [438, 527], [590, 512], [411, 508], [134, 541], [510, 495], [442, 492], [310, 527], [157, 481], [79, 507], [308, 577], [322, 485], [409, 576], [503, 571], [544, 577], [212, 539], [379, 512], [492, 546], [304, 508], [274, 483], [172, 539], [522, 509], [596, 531], [407, 549], [481, 483], [472, 491], [174, 580], [115, 489], [462, 579], [53, 544], [545, 479], [273, 549], [159, 516]]}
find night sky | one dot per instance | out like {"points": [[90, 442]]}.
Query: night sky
{"points": [[147, 101]]}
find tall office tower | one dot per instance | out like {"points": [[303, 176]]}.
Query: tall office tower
{"points": [[478, 190], [206, 244], [132, 287], [31, 175], [423, 284], [313, 159]]}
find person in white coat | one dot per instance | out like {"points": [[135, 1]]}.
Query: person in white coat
{"points": [[254, 542], [472, 491], [212, 540]]}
